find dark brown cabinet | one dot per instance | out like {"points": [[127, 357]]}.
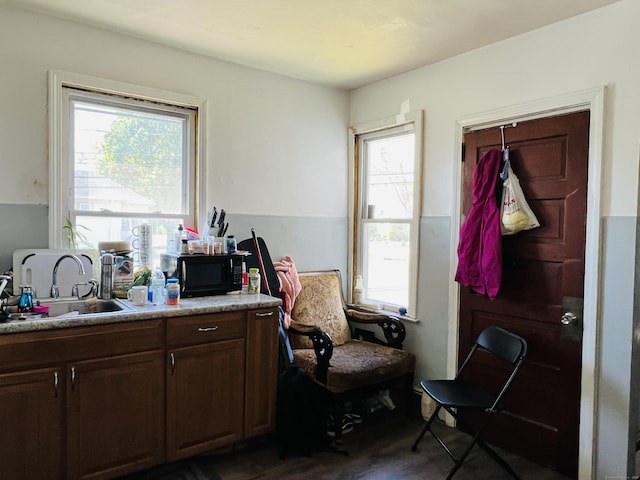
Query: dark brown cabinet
{"points": [[32, 424], [205, 375], [107, 400], [204, 397], [115, 411], [93, 410], [261, 372]]}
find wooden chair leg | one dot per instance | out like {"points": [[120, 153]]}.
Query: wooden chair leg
{"points": [[338, 414]]}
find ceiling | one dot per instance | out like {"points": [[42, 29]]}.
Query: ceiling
{"points": [[339, 43]]}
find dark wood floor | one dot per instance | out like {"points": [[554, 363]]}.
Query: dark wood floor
{"points": [[379, 449]]}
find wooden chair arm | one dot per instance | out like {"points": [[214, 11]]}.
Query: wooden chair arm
{"points": [[322, 346], [302, 329], [392, 327]]}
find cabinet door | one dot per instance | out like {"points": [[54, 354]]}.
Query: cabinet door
{"points": [[262, 372], [31, 425], [205, 387], [115, 415]]}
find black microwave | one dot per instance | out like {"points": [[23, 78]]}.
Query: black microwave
{"points": [[203, 275]]}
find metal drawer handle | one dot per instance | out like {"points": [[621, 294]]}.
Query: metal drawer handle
{"points": [[208, 329], [55, 384], [266, 314]]}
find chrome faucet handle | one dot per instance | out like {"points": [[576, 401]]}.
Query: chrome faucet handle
{"points": [[74, 290], [94, 287], [93, 290]]}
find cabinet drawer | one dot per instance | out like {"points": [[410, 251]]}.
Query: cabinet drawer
{"points": [[205, 328], [64, 345], [265, 314]]}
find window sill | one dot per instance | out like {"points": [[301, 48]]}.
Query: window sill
{"points": [[372, 309]]}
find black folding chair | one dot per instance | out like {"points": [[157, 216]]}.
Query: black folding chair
{"points": [[458, 394]]}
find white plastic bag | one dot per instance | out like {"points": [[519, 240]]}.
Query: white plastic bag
{"points": [[516, 215]]}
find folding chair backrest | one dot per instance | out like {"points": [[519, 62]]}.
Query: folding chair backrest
{"points": [[505, 344]]}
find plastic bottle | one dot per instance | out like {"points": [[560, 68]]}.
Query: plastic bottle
{"points": [[254, 281], [358, 291], [178, 238], [245, 278], [231, 245], [25, 304], [156, 289], [173, 292]]}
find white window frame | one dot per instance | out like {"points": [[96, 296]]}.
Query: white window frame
{"points": [[357, 211], [60, 163]]}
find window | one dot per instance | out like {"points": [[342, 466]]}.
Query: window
{"points": [[121, 156], [387, 213]]}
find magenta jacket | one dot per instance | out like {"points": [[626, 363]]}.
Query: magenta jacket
{"points": [[480, 247]]}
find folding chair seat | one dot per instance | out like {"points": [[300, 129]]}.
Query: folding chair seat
{"points": [[458, 394]]}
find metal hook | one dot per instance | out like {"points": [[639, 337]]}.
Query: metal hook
{"points": [[502, 127]]}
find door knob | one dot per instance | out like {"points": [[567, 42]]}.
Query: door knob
{"points": [[568, 318]]}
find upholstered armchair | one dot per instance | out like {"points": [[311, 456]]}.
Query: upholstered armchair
{"points": [[323, 344]]}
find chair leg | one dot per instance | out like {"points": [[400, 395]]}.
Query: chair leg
{"points": [[458, 461], [338, 413], [408, 393], [492, 453], [414, 447], [427, 426], [501, 461], [475, 440]]}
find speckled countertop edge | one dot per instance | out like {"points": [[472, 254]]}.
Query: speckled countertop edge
{"points": [[187, 306]]}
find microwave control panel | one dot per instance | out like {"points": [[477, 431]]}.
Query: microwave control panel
{"points": [[236, 272]]}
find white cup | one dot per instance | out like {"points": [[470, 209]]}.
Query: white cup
{"points": [[219, 246], [138, 295]]}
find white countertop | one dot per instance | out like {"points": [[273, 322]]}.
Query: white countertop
{"points": [[187, 306]]}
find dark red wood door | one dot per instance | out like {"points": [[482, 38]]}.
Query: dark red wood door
{"points": [[543, 278]]}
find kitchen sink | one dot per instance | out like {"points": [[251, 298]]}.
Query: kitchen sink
{"points": [[91, 306]]}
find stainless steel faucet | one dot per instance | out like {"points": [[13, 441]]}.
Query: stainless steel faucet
{"points": [[4, 279], [55, 293]]}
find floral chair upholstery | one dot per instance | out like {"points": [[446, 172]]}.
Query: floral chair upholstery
{"points": [[323, 345]]}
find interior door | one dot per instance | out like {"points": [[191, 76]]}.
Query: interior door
{"points": [[542, 288]]}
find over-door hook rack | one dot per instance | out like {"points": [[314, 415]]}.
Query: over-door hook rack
{"points": [[502, 127]]}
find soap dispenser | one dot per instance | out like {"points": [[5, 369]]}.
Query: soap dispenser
{"points": [[25, 304]]}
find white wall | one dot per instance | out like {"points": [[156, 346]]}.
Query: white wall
{"points": [[275, 146], [598, 48], [277, 150], [255, 137], [595, 49]]}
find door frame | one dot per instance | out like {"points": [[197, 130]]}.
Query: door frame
{"points": [[592, 100]]}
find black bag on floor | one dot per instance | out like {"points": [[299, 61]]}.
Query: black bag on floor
{"points": [[301, 426]]}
